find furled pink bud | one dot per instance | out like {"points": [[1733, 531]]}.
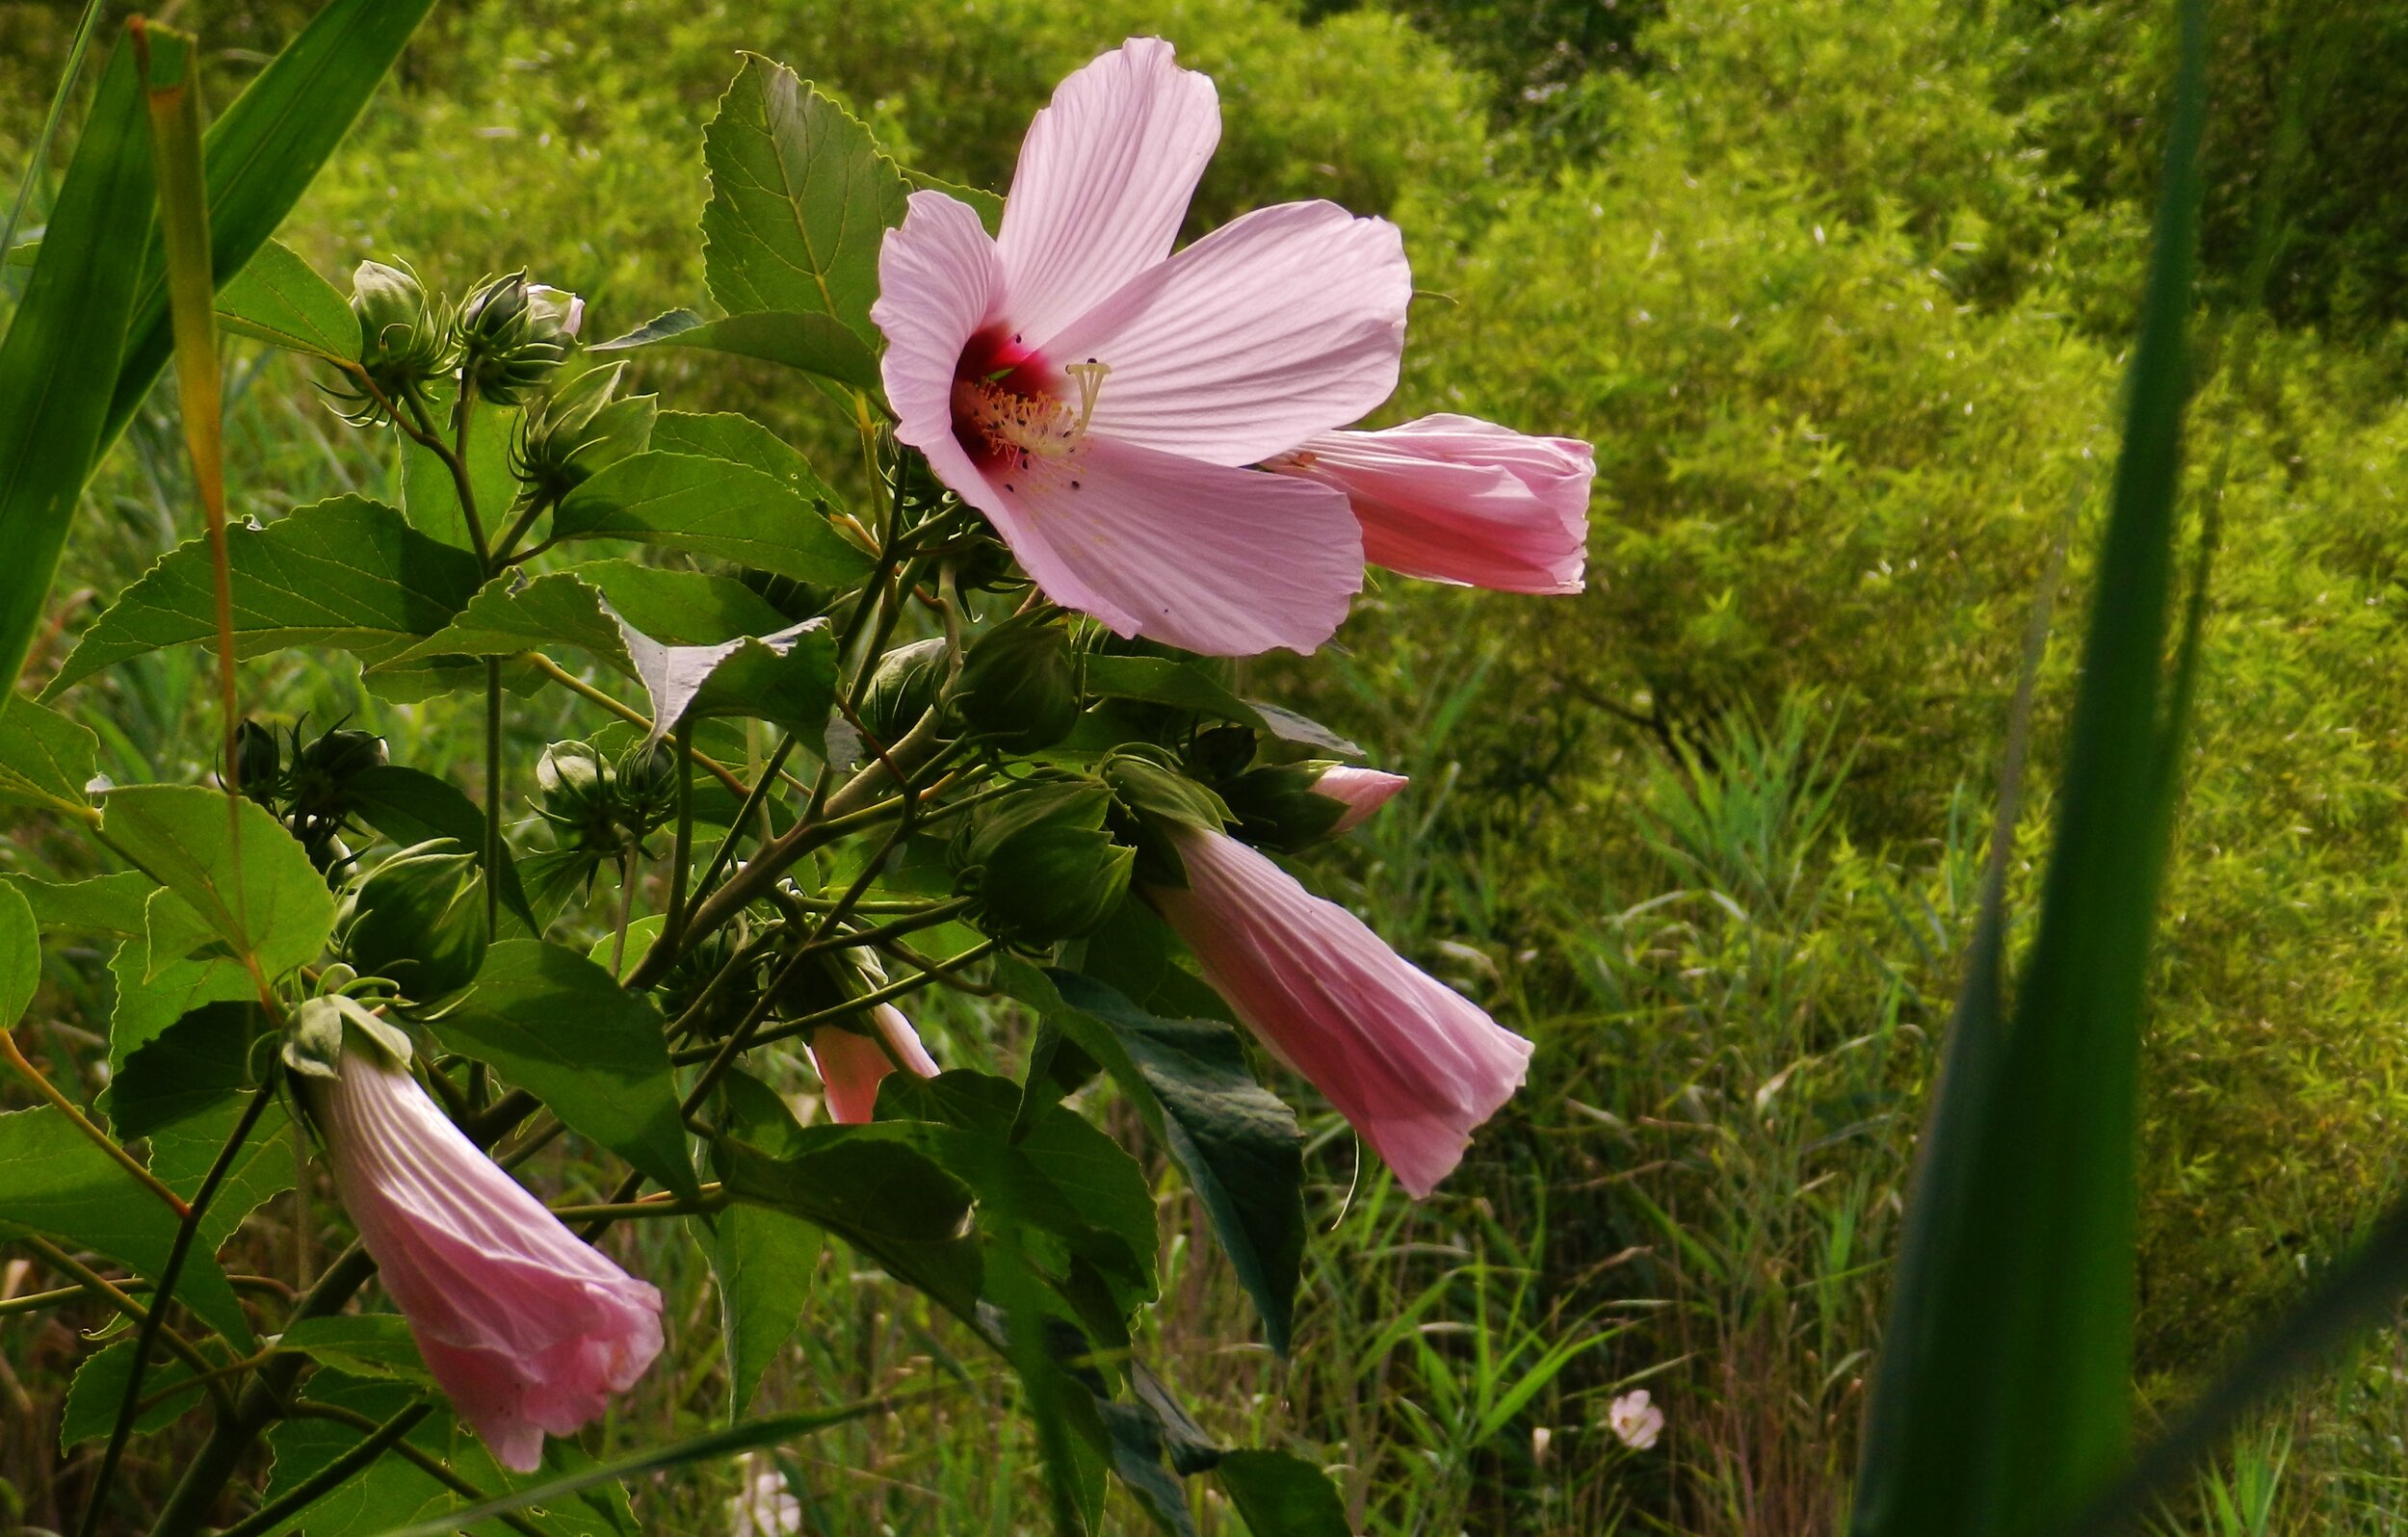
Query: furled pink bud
{"points": [[852, 1065], [526, 1328], [565, 310], [1359, 791], [1413, 1064], [1457, 499]]}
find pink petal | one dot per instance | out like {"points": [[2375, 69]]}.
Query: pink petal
{"points": [[1275, 326], [1104, 180], [1221, 561], [526, 1328], [852, 1065], [1413, 1064], [1360, 790], [939, 283], [1456, 499]]}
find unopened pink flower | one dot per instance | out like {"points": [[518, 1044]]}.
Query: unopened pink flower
{"points": [[1360, 790], [1457, 499], [1103, 401], [1412, 1063], [526, 1328], [852, 1065]]}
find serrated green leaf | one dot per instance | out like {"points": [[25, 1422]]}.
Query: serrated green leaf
{"points": [[869, 1187], [711, 507], [149, 1000], [409, 806], [1281, 1495], [814, 344], [45, 759], [266, 1167], [788, 677], [346, 572], [1237, 1144], [741, 441], [763, 1260], [280, 298], [103, 907], [21, 956], [800, 200], [556, 1024], [58, 360], [201, 1060], [93, 1397], [987, 206], [366, 1344], [61, 1183], [178, 835]]}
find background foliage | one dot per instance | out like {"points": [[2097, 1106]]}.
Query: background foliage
{"points": [[1840, 288]]}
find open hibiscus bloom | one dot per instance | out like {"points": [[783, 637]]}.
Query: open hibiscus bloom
{"points": [[1101, 400]]}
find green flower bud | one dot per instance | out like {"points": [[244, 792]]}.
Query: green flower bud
{"points": [[1146, 786], [509, 338], [258, 761], [576, 788], [580, 430], [645, 794], [902, 687], [1042, 864], [419, 920], [1018, 686], [1278, 808], [314, 1035], [402, 340], [320, 783]]}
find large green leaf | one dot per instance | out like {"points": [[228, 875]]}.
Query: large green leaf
{"points": [[1237, 1144], [1281, 1495], [21, 956], [800, 200], [93, 1397], [261, 154], [363, 1345], [814, 343], [150, 998], [58, 362], [200, 1061], [713, 507], [410, 806], [280, 913], [869, 1187], [556, 1024], [45, 760], [61, 1183], [265, 1166], [280, 299], [763, 1260], [430, 496], [1186, 685], [2004, 1390], [347, 572], [103, 907]]}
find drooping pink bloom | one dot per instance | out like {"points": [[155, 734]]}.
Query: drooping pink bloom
{"points": [[1457, 499], [1360, 790], [852, 1065], [1412, 1063], [1103, 401], [526, 1328]]}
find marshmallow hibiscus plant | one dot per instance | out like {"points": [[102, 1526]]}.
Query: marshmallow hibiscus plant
{"points": [[862, 757]]}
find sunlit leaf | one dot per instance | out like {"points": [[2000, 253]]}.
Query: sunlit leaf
{"points": [[178, 835]]}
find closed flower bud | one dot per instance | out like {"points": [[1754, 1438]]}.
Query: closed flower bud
{"points": [[419, 920], [645, 792], [1292, 806], [320, 783], [575, 785], [581, 430], [258, 761], [1018, 686], [557, 307], [401, 336], [901, 687], [1043, 865], [508, 343]]}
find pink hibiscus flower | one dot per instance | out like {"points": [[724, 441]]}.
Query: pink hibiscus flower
{"points": [[526, 1328], [1457, 499], [1411, 1062], [1101, 399], [852, 1065]]}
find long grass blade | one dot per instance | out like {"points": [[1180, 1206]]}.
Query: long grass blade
{"points": [[2003, 1394], [69, 74]]}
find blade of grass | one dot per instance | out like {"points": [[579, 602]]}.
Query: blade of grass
{"points": [[69, 74], [58, 362], [2004, 1393]]}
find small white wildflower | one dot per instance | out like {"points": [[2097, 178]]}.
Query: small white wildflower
{"points": [[766, 1508], [1636, 1421]]}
